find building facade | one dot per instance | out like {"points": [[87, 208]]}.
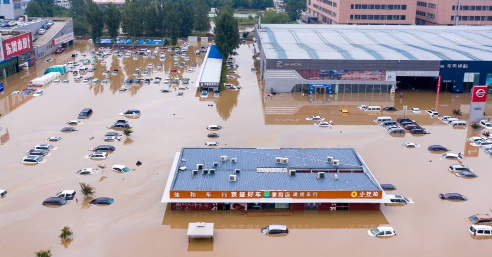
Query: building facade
{"points": [[10, 9], [446, 12]]}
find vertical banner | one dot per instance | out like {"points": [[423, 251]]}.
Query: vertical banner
{"points": [[439, 84]]}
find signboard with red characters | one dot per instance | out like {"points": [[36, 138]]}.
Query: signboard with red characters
{"points": [[17, 45], [479, 94]]}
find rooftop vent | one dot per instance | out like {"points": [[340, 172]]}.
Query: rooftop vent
{"points": [[215, 164], [234, 160], [278, 159], [292, 172], [285, 160], [223, 158], [194, 172], [321, 175], [237, 171], [329, 159], [211, 171], [232, 178], [199, 166], [336, 162], [205, 172], [182, 168]]}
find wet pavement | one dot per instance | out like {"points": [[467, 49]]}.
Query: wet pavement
{"points": [[137, 223]]}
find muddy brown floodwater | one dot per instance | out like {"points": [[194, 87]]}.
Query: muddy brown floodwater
{"points": [[138, 224]]}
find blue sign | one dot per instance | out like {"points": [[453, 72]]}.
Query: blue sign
{"points": [[1, 87], [313, 86]]}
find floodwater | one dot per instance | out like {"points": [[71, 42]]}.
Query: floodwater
{"points": [[138, 224]]}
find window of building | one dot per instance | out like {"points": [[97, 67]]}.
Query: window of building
{"points": [[6, 1]]}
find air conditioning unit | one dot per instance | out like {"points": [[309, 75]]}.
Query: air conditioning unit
{"points": [[194, 172], [199, 166], [278, 159], [205, 172], [285, 160], [211, 171], [336, 162], [234, 160], [292, 172], [215, 164], [237, 171], [329, 159], [223, 158], [232, 178], [321, 175]]}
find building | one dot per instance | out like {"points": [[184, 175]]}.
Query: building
{"points": [[389, 12], [17, 50], [209, 76], [268, 178], [446, 12], [106, 2], [63, 3], [343, 58], [10, 9]]}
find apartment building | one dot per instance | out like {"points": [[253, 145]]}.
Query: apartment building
{"points": [[446, 12], [370, 12]]}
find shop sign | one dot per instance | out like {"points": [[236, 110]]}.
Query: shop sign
{"points": [[455, 66], [276, 194], [63, 39], [16, 45], [479, 93], [281, 64], [209, 84]]}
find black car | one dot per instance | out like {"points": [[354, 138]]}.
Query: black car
{"points": [[466, 174], [412, 126], [37, 152], [131, 112], [437, 148], [213, 135], [128, 81], [113, 134], [453, 196], [104, 148], [85, 113], [102, 200], [121, 121], [137, 81], [388, 187], [404, 123], [165, 91], [402, 119], [54, 201], [68, 129], [418, 131], [390, 109]]}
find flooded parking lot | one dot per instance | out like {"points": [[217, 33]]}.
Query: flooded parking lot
{"points": [[138, 223]]}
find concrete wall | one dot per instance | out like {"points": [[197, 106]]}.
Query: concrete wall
{"points": [[48, 48]]}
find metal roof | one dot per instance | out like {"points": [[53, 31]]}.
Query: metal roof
{"points": [[375, 42], [250, 179], [211, 68]]}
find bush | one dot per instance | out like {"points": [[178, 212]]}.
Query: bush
{"points": [[475, 126], [457, 112], [87, 190], [66, 233], [43, 253], [486, 134], [127, 132]]}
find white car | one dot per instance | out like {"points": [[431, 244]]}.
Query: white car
{"points": [[3, 192], [444, 118], [486, 124], [46, 147], [324, 124], [32, 159], [480, 230], [74, 122], [231, 77], [111, 138], [410, 145], [474, 139], [450, 120], [415, 110], [66, 194], [120, 168], [66, 81], [190, 70], [362, 107], [87, 171], [38, 92], [453, 156], [122, 89], [432, 113], [54, 139], [41, 31], [131, 113], [315, 118], [98, 156], [150, 65], [381, 232], [399, 199], [95, 81], [56, 81], [212, 143]]}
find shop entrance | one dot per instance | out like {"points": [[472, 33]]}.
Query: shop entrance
{"points": [[418, 83]]}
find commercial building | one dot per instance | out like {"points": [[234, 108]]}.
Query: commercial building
{"points": [[343, 58], [209, 76], [446, 12], [10, 9], [267, 178], [17, 50]]}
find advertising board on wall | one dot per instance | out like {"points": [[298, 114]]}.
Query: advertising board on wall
{"points": [[16, 45], [63, 39]]}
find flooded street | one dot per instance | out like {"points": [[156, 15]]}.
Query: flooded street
{"points": [[138, 224]]}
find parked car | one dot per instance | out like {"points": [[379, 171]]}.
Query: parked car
{"points": [[98, 156], [212, 143], [437, 148], [54, 201], [415, 110], [458, 168], [388, 187], [465, 174], [480, 219], [54, 139], [453, 196], [32, 159], [41, 31], [37, 152], [85, 113], [66, 194], [213, 135], [120, 168], [59, 50], [486, 124], [214, 127], [102, 200], [399, 199], [275, 230], [74, 122], [87, 171], [381, 232], [418, 131], [480, 230], [104, 148], [69, 129], [390, 109]]}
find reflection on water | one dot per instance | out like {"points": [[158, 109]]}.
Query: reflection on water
{"points": [[201, 245], [226, 102], [128, 141], [86, 203], [4, 135], [66, 243], [297, 220]]}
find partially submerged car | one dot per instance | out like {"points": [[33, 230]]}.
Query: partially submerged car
{"points": [[87, 171], [452, 196], [315, 118], [479, 219], [74, 122], [31, 159], [54, 201], [410, 145], [104, 148], [120, 168], [213, 135], [399, 199], [68, 129], [437, 148], [480, 230], [381, 232], [37, 152], [102, 200], [453, 156], [275, 230], [66, 194], [131, 112], [98, 156], [211, 143], [388, 187], [465, 174]]}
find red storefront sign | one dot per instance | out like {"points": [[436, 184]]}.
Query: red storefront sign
{"points": [[17, 45], [479, 94], [63, 39]]}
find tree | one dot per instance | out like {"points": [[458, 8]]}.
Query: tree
{"points": [[475, 126], [271, 17], [202, 22], [43, 253], [87, 190], [127, 132], [457, 112], [226, 32], [294, 8], [95, 19], [185, 9], [33, 9], [173, 20], [113, 20], [66, 233], [245, 34]]}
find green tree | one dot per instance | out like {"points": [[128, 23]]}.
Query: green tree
{"points": [[113, 20], [78, 8], [43, 253], [202, 22], [173, 20], [294, 8], [95, 19], [271, 17], [33, 9], [66, 233], [226, 32], [132, 25], [87, 190], [127, 132], [187, 17]]}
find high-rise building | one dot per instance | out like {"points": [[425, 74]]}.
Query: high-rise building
{"points": [[446, 12], [10, 9]]}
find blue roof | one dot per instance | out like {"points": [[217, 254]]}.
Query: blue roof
{"points": [[214, 53], [276, 177], [141, 41], [150, 42]]}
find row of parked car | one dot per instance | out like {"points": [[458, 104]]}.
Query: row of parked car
{"points": [[400, 126]]}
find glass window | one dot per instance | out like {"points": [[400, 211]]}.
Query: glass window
{"points": [[6, 1]]}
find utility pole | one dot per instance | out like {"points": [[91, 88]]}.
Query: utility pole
{"points": [[456, 20]]}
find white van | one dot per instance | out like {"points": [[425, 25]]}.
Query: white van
{"points": [[457, 123], [480, 230], [373, 109], [382, 119], [214, 127]]}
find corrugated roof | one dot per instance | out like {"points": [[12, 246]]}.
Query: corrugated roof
{"points": [[375, 42], [211, 68], [249, 179]]}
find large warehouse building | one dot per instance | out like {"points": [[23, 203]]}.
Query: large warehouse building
{"points": [[267, 178], [352, 58]]}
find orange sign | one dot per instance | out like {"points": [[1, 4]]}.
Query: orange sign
{"points": [[276, 194]]}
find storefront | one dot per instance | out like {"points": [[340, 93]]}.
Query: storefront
{"points": [[8, 67]]}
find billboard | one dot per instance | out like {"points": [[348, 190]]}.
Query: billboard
{"points": [[479, 94], [63, 39], [17, 45], [357, 75]]}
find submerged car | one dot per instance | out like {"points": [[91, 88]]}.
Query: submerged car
{"points": [[453, 196], [390, 109], [120, 168], [399, 199], [486, 124], [315, 118], [54, 201], [102, 200], [388, 187], [87, 171], [46, 147], [437, 148], [432, 113], [381, 232], [66, 194], [74, 122], [453, 156], [31, 159], [275, 230], [480, 219], [213, 135], [323, 124], [98, 156], [37, 152], [131, 112], [415, 110], [54, 139], [480, 230], [465, 174], [69, 129], [104, 148], [211, 143], [410, 145]]}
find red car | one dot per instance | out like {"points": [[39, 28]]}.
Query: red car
{"points": [[173, 69], [59, 50]]}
